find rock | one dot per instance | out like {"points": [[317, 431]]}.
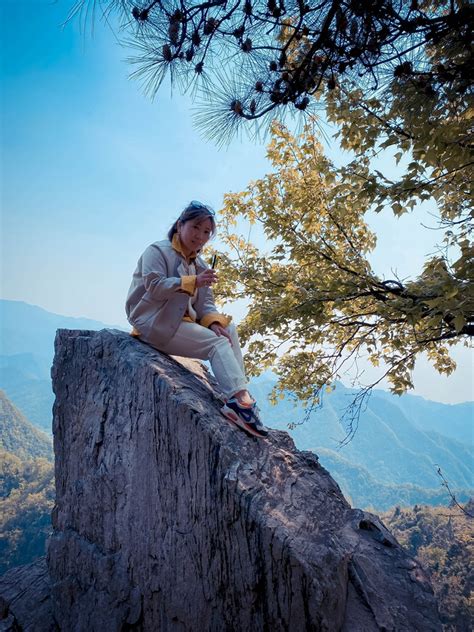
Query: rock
{"points": [[25, 599], [169, 518]]}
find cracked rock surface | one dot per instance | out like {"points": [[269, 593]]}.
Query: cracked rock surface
{"points": [[169, 518], [25, 599]]}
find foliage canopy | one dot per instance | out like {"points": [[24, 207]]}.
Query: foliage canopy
{"points": [[442, 540], [26, 502], [256, 59], [314, 294]]}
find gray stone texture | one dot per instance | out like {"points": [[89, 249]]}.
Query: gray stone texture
{"points": [[169, 518], [25, 599]]}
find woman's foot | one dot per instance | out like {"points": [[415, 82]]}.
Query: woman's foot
{"points": [[244, 398], [246, 417]]}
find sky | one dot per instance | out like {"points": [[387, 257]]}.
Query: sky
{"points": [[92, 171]]}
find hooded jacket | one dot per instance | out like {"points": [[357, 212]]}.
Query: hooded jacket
{"points": [[158, 297]]}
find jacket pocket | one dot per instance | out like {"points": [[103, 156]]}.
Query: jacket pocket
{"points": [[145, 310]]}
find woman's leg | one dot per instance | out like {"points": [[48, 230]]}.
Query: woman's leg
{"points": [[232, 329], [243, 395], [194, 341]]}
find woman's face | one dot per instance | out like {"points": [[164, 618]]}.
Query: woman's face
{"points": [[194, 234]]}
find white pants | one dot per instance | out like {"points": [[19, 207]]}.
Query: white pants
{"points": [[194, 341]]}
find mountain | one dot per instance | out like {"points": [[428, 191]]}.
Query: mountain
{"points": [[452, 420], [25, 377], [364, 490], [18, 436], [162, 505], [31, 329], [26, 502], [442, 540], [26, 356], [391, 459]]}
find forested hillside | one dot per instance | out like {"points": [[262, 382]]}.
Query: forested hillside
{"points": [[364, 490], [26, 502], [26, 487], [19, 436], [442, 539], [393, 457]]}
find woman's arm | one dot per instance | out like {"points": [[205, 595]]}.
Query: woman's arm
{"points": [[210, 315], [155, 275]]}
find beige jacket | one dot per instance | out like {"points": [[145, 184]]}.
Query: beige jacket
{"points": [[158, 297]]}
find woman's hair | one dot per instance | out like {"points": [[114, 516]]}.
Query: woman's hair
{"points": [[194, 210]]}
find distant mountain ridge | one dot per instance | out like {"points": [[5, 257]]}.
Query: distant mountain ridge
{"points": [[391, 460], [364, 490], [18, 436], [453, 420], [26, 356], [29, 329]]}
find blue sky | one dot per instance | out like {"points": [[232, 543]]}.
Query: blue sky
{"points": [[93, 171]]}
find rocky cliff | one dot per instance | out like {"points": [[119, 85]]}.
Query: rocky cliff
{"points": [[168, 518]]}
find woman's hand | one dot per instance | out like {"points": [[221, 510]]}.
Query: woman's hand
{"points": [[219, 330], [206, 278]]}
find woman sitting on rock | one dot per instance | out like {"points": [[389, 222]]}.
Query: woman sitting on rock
{"points": [[171, 307]]}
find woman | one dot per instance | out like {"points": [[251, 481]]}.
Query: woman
{"points": [[171, 307]]}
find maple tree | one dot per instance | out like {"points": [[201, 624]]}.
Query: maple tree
{"points": [[315, 302], [314, 293]]}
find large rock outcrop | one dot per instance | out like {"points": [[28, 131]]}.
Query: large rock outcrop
{"points": [[25, 599], [168, 518]]}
